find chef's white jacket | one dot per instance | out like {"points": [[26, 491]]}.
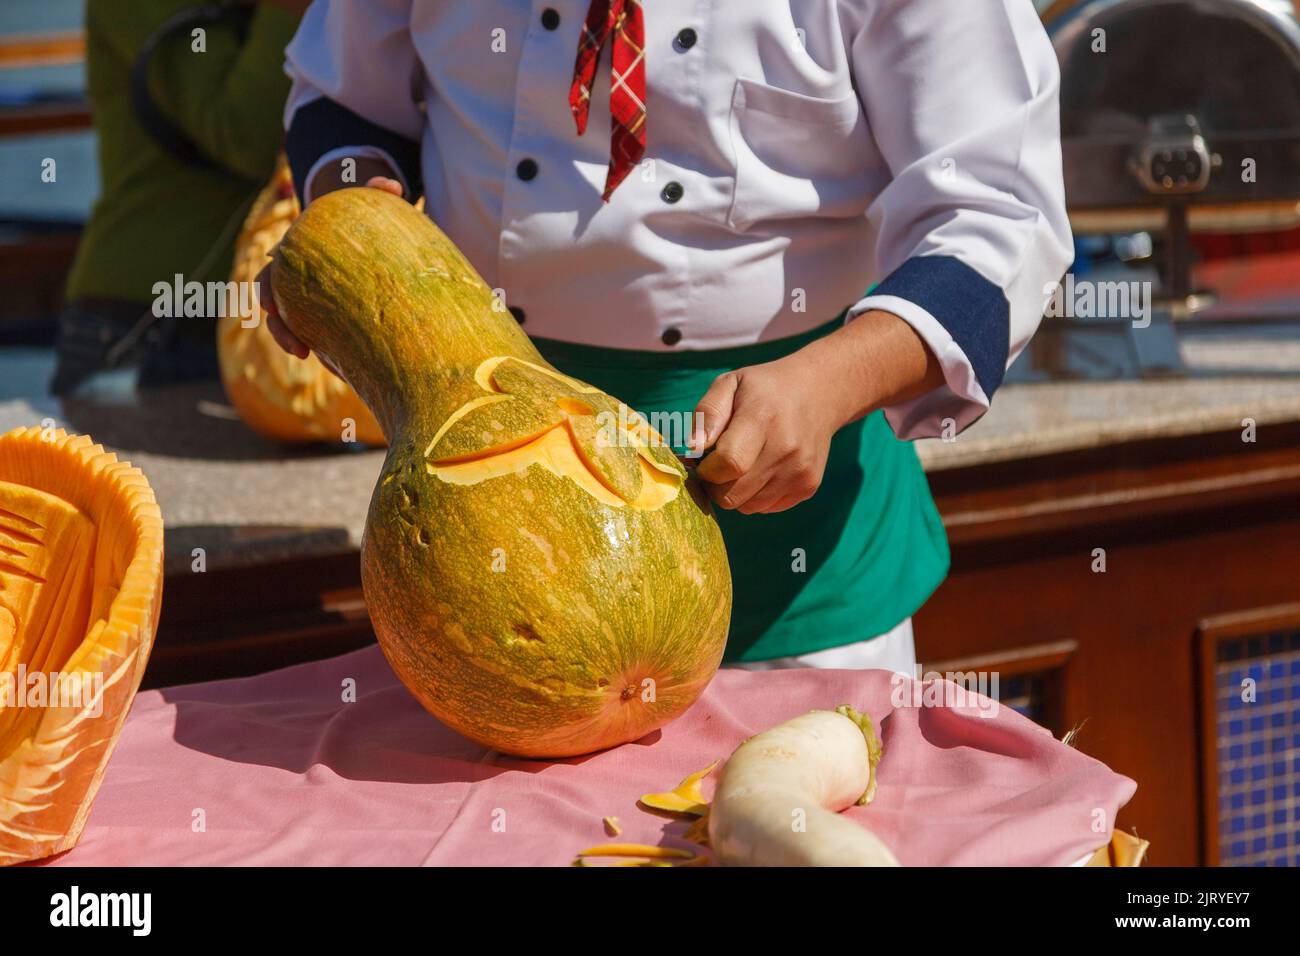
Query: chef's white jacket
{"points": [[799, 151]]}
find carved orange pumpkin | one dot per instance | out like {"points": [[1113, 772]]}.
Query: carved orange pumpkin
{"points": [[81, 550], [276, 394]]}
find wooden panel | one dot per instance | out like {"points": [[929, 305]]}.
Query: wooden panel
{"points": [[1211, 632], [286, 612], [1191, 528]]}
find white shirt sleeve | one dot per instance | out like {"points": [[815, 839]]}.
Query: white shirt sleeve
{"points": [[962, 100], [354, 151], [358, 53]]}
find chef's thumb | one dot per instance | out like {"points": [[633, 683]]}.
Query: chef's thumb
{"points": [[713, 412], [263, 282]]}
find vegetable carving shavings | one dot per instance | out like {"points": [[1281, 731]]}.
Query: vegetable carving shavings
{"points": [[640, 854], [686, 797]]}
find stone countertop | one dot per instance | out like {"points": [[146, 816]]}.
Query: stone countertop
{"points": [[246, 500], [1027, 421], [1230, 377]]}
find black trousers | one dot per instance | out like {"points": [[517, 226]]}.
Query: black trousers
{"points": [[96, 335]]}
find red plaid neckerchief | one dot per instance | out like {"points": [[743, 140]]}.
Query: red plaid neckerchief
{"points": [[626, 83]]}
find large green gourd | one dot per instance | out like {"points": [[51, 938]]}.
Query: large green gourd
{"points": [[540, 570]]}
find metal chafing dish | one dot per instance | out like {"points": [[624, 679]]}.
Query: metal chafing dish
{"points": [[1178, 117]]}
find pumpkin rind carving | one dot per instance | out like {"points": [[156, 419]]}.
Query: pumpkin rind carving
{"points": [[81, 551], [276, 394]]}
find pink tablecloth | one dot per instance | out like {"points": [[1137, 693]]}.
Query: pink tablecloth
{"points": [[278, 769]]}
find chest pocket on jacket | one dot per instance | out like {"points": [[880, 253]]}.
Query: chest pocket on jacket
{"points": [[797, 156]]}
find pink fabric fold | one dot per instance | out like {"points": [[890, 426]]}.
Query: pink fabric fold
{"points": [[280, 769]]}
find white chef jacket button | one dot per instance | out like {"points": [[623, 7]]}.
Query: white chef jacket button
{"points": [[526, 169], [671, 336], [518, 313], [672, 192], [685, 39], [551, 18]]}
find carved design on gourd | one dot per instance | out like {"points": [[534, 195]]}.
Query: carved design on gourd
{"points": [[533, 415], [17, 543], [16, 582], [50, 537]]}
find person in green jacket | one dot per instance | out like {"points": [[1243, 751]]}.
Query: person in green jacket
{"points": [[187, 101]]}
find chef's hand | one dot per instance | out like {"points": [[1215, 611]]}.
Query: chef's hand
{"points": [[274, 324], [770, 426]]}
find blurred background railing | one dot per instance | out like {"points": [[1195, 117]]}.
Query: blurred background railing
{"points": [[43, 113]]}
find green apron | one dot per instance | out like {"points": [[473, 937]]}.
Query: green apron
{"points": [[846, 565]]}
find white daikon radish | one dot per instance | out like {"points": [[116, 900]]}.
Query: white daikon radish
{"points": [[781, 792]]}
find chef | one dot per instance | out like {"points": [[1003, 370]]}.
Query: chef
{"points": [[816, 230]]}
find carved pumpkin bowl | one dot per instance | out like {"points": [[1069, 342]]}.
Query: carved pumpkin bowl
{"points": [[81, 556]]}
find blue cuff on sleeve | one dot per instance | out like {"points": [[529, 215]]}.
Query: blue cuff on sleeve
{"points": [[323, 125], [973, 310]]}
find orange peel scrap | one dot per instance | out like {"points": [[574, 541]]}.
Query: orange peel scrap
{"points": [[687, 797], [640, 854], [637, 849]]}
